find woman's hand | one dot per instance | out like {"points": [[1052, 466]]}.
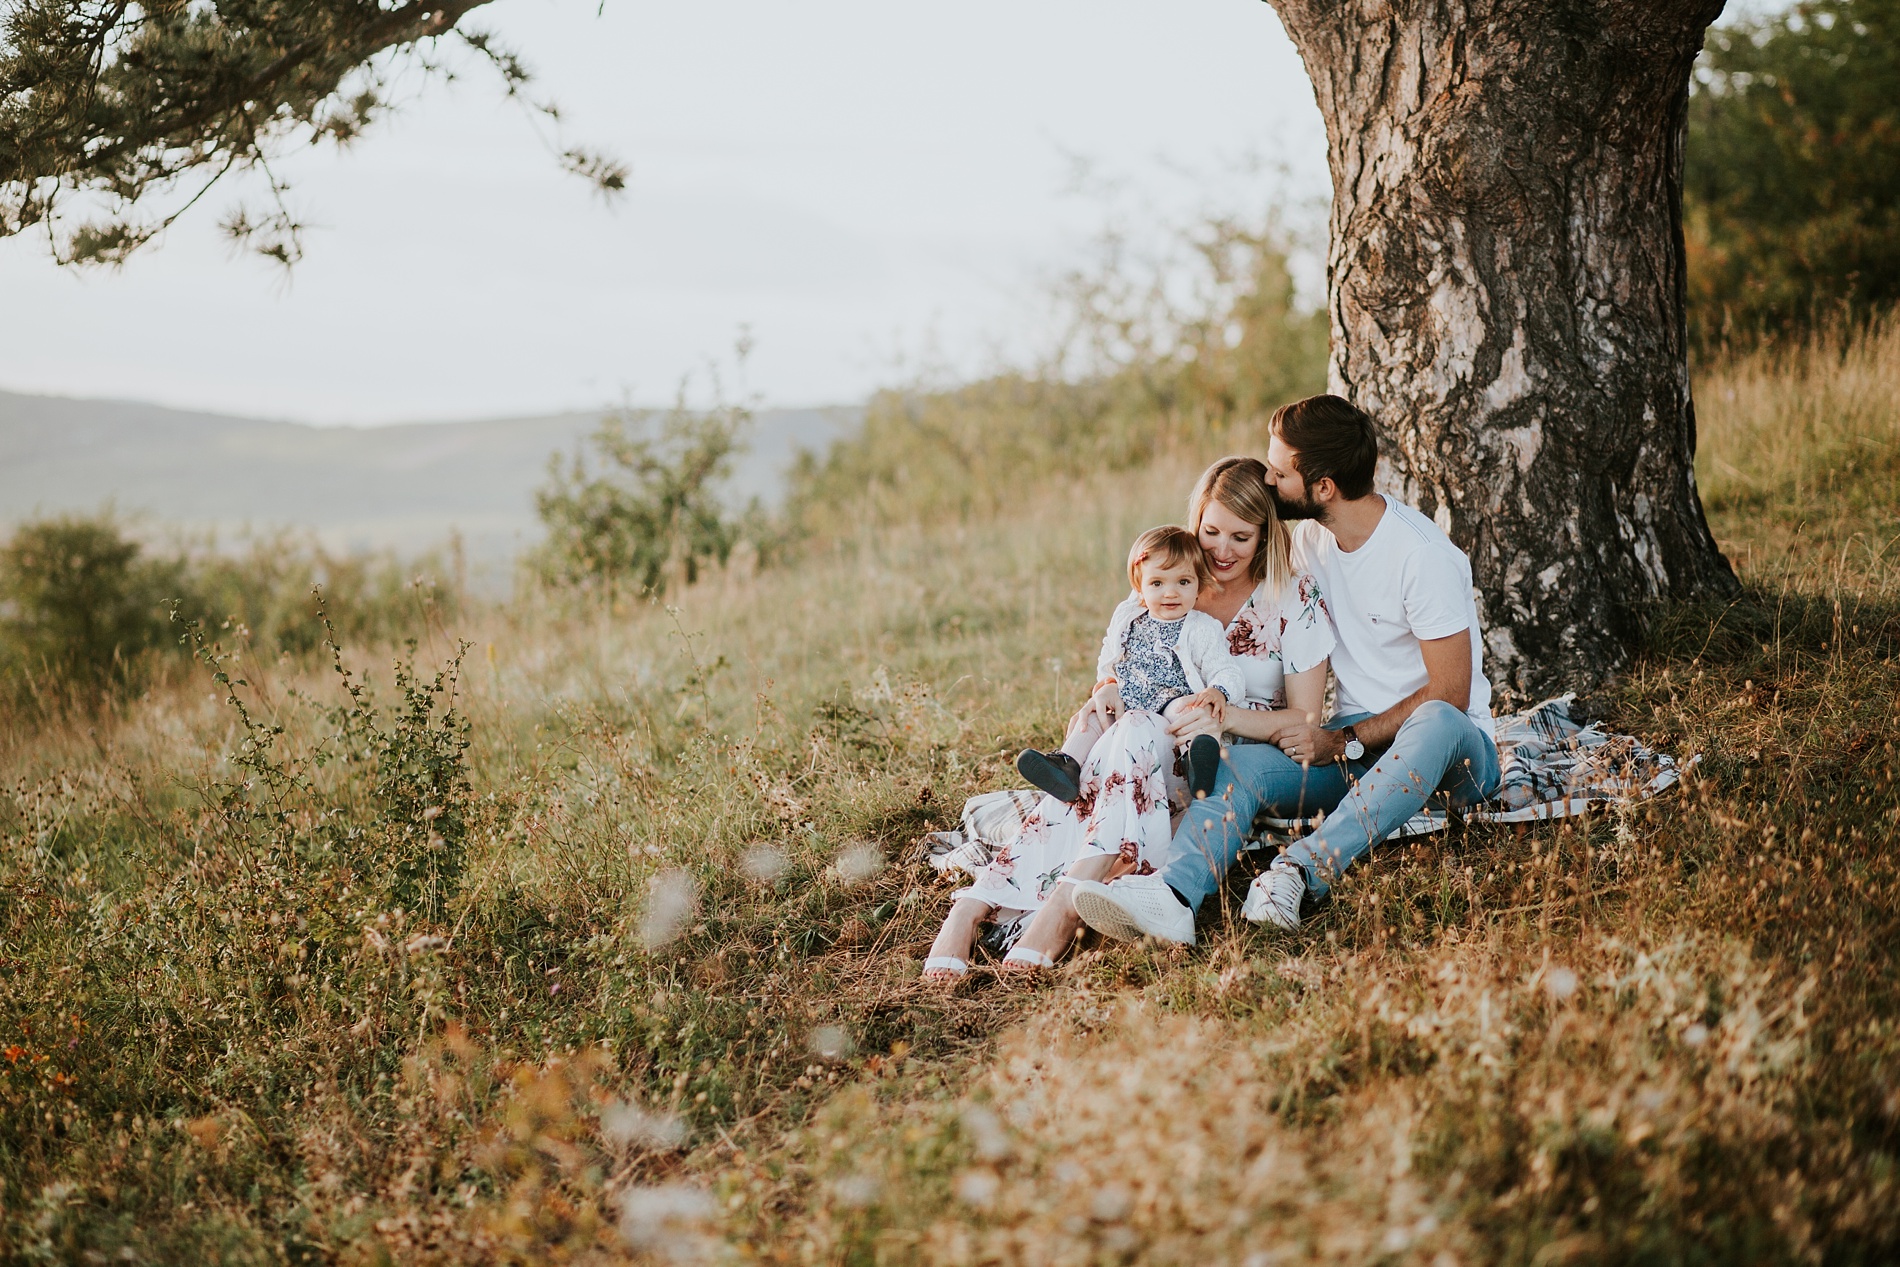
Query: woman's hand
{"points": [[1186, 723], [1201, 714], [1214, 700], [1106, 703]]}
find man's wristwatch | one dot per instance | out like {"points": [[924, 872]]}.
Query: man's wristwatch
{"points": [[1354, 749]]}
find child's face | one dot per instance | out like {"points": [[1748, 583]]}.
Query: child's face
{"points": [[1168, 590]]}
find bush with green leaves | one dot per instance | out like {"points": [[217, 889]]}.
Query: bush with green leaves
{"points": [[269, 587], [85, 606], [1791, 182], [647, 510], [80, 605], [1201, 339]]}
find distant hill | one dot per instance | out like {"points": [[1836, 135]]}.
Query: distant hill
{"points": [[405, 487]]}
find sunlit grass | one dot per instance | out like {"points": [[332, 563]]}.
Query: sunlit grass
{"points": [[670, 1008]]}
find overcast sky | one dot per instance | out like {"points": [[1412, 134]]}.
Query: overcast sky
{"points": [[849, 178]]}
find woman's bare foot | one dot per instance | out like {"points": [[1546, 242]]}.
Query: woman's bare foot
{"points": [[954, 940], [1056, 924]]}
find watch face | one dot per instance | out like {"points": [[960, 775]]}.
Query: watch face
{"points": [[1354, 750]]}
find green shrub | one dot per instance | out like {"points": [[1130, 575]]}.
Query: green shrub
{"points": [[269, 588], [1157, 356], [80, 605], [85, 608], [416, 756], [647, 510], [1791, 189]]}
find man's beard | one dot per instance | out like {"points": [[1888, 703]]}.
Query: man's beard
{"points": [[1289, 510]]}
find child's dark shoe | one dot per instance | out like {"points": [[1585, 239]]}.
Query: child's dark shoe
{"points": [[1056, 773], [1203, 763]]}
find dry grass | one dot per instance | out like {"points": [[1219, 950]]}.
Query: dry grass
{"points": [[1800, 455], [669, 1008]]}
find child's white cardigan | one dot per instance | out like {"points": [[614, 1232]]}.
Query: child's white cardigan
{"points": [[1201, 650]]}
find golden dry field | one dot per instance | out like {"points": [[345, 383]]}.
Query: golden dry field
{"points": [[595, 937]]}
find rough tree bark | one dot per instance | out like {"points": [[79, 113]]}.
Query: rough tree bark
{"points": [[1505, 281]]}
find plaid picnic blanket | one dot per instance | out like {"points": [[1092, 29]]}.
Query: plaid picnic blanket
{"points": [[1551, 766]]}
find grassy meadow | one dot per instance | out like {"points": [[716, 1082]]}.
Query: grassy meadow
{"points": [[588, 935]]}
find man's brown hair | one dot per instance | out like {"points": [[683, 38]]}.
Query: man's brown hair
{"points": [[1171, 546], [1334, 439]]}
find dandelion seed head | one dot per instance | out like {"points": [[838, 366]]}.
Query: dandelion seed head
{"points": [[629, 1126], [669, 908], [857, 1191], [858, 863], [1561, 983], [985, 1132], [831, 1042], [765, 863], [670, 1220], [1111, 1204], [1696, 1035], [977, 1187]]}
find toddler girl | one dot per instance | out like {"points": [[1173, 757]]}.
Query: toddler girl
{"points": [[1163, 656]]}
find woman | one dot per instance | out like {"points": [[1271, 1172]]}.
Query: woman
{"points": [[1276, 623]]}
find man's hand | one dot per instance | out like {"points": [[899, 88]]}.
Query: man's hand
{"points": [[1448, 678], [1311, 745]]}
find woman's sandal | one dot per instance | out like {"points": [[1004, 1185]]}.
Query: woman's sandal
{"points": [[946, 968], [1022, 961]]}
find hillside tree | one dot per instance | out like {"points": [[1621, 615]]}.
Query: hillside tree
{"points": [[1505, 283], [1792, 188], [1505, 270], [118, 115]]}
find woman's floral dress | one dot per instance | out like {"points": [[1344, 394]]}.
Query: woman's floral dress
{"points": [[1130, 784]]}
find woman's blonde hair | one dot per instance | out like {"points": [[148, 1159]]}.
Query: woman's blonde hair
{"points": [[1240, 485], [1172, 546]]}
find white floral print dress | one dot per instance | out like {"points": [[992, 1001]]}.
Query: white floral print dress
{"points": [[1130, 785]]}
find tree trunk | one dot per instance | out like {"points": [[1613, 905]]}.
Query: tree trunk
{"points": [[1505, 282]]}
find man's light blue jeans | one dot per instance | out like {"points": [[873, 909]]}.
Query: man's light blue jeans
{"points": [[1438, 752]]}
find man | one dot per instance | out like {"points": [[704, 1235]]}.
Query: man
{"points": [[1413, 707]]}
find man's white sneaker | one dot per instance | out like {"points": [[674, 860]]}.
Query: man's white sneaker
{"points": [[1134, 907], [1274, 896]]}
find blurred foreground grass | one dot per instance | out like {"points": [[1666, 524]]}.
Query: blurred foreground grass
{"points": [[633, 975]]}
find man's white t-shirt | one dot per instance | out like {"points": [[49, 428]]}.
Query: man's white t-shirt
{"points": [[1407, 583]]}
